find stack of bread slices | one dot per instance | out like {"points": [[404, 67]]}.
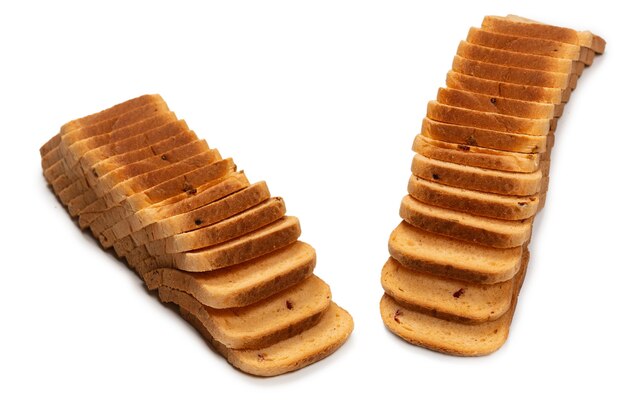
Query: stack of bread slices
{"points": [[196, 230], [479, 176]]}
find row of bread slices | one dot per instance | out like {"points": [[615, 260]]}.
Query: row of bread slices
{"points": [[194, 228], [479, 176]]}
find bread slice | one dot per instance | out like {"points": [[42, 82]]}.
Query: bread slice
{"points": [[49, 146], [308, 347], [206, 215], [450, 337], [485, 138], [466, 80], [242, 284], [240, 224], [491, 121], [473, 202], [513, 75], [526, 45], [518, 59], [264, 323], [474, 156], [257, 243], [475, 178], [476, 229], [188, 200], [447, 257], [518, 26], [498, 105], [440, 297]]}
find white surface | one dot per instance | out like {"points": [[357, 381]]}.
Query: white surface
{"points": [[322, 101]]}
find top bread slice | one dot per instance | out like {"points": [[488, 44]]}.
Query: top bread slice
{"points": [[528, 45], [515, 25]]}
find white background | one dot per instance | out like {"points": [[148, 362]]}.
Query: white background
{"points": [[322, 100]]}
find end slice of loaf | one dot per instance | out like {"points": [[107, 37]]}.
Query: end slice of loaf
{"points": [[306, 348], [446, 298]]}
